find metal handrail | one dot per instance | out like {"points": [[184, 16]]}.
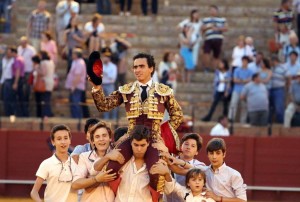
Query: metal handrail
{"points": [[257, 188], [271, 188]]}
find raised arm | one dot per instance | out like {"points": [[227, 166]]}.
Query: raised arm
{"points": [[106, 103]]}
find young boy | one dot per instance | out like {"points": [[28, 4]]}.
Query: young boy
{"points": [[191, 144], [57, 170], [88, 146], [223, 182]]}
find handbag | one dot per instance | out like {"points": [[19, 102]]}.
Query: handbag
{"points": [[39, 85]]}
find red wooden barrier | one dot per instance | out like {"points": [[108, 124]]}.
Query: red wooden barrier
{"points": [[262, 161]]}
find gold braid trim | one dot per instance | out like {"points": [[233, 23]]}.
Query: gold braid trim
{"points": [[127, 88], [160, 184]]}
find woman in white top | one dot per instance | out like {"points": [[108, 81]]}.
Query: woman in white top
{"points": [[94, 182], [93, 31], [195, 22], [167, 70], [48, 68]]}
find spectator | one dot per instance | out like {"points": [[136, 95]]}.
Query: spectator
{"points": [[294, 101], [282, 40], [76, 82], [103, 7], [38, 72], [120, 50], [7, 83], [242, 76], [249, 42], [255, 65], [221, 89], [27, 52], [223, 183], [292, 68], [186, 51], [122, 7], [256, 95], [213, 28], [65, 9], [57, 170], [85, 176], [195, 22], [3, 48], [73, 39], [39, 21], [265, 73], [277, 92], [239, 51], [221, 129], [49, 45], [283, 16], [47, 71], [167, 70], [18, 78], [93, 31], [6, 7], [292, 46], [154, 7], [109, 79], [296, 4], [88, 146]]}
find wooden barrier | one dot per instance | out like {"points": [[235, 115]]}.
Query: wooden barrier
{"points": [[262, 161]]}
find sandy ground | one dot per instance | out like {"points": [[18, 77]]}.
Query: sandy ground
{"points": [[15, 200]]}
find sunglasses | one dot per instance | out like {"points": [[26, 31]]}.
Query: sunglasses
{"points": [[66, 174]]}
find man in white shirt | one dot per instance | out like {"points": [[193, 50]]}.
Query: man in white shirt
{"points": [[64, 11], [221, 128], [134, 185], [27, 51], [7, 83]]}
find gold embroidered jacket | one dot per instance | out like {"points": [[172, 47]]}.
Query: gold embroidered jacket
{"points": [[150, 112]]}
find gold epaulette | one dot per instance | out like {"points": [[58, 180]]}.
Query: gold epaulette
{"points": [[163, 89], [127, 88]]}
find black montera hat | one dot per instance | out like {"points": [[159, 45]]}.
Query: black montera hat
{"points": [[95, 68]]}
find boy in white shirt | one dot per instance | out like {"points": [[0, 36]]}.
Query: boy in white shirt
{"points": [[223, 182], [56, 170]]}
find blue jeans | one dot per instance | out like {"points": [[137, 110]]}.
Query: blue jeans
{"points": [[46, 110], [108, 89], [104, 7], [277, 96], [9, 97], [75, 99], [26, 88]]}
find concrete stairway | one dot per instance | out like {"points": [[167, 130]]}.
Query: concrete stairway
{"points": [[158, 34]]}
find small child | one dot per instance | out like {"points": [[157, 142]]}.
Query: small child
{"points": [[223, 182], [57, 170], [193, 190]]}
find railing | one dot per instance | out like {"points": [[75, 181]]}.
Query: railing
{"points": [[254, 188]]}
